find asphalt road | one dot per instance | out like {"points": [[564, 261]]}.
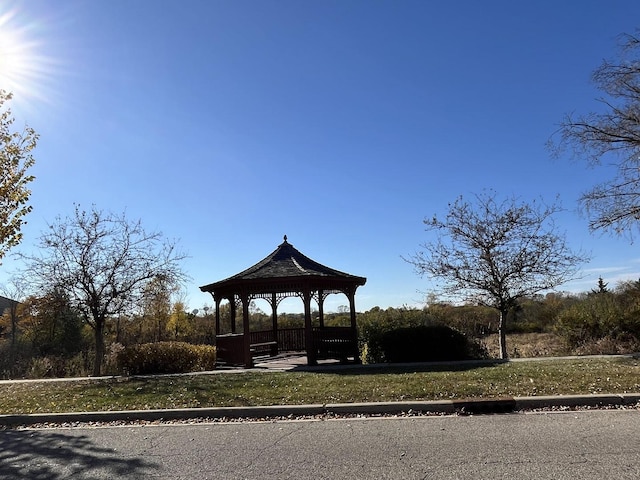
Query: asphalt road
{"points": [[586, 445]]}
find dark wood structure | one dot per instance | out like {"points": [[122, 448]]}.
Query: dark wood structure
{"points": [[6, 303], [286, 273]]}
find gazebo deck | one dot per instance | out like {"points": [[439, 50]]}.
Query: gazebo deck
{"points": [[291, 361]]}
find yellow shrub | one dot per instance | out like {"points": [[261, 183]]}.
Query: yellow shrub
{"points": [[166, 357]]}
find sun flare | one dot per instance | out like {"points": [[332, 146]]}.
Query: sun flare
{"points": [[23, 68]]}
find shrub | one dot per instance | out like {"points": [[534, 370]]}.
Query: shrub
{"points": [[623, 344], [41, 367], [375, 323], [525, 327], [428, 343], [166, 357], [598, 317], [52, 366], [80, 365]]}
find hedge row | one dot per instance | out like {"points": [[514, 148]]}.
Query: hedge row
{"points": [[166, 357], [428, 343]]}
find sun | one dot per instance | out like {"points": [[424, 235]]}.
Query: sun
{"points": [[23, 69]]}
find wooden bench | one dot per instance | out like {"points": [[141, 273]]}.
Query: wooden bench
{"points": [[263, 348]]}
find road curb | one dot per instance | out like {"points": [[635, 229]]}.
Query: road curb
{"points": [[463, 406], [485, 405], [390, 408], [596, 400], [158, 415]]}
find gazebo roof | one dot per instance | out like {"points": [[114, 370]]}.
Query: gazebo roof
{"points": [[285, 269]]}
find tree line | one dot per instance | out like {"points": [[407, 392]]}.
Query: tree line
{"points": [[602, 320]]}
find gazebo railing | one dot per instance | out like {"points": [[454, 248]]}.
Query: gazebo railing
{"points": [[335, 342], [262, 336], [291, 339], [328, 342], [263, 343]]}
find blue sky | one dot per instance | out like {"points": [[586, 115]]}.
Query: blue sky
{"points": [[342, 124]]}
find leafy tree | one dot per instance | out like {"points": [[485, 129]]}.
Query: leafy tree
{"points": [[102, 262], [15, 161], [494, 253], [258, 319], [51, 323], [156, 305], [202, 326], [611, 135], [180, 324]]}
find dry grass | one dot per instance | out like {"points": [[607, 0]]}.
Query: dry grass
{"points": [[528, 345]]}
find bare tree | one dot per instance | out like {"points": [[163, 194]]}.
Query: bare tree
{"points": [[15, 161], [103, 262], [611, 135], [496, 252]]}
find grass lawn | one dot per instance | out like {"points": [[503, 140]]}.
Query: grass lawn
{"points": [[550, 377]]}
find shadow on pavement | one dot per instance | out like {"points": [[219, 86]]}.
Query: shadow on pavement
{"points": [[41, 454], [352, 369]]}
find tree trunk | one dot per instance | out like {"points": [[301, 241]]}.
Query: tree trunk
{"points": [[502, 333], [13, 311], [99, 339], [118, 339]]}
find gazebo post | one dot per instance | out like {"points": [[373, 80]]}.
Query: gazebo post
{"points": [[352, 309], [308, 329], [232, 312], [217, 302], [354, 326], [248, 360], [274, 321], [321, 307]]}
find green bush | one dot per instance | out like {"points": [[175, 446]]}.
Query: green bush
{"points": [[623, 344], [165, 357], [427, 344], [525, 327], [374, 324], [597, 317]]}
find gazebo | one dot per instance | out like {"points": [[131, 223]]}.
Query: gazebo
{"points": [[286, 273]]}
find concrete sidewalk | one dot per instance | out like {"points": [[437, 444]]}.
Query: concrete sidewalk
{"points": [[298, 362]]}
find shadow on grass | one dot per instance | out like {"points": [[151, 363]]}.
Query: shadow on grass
{"points": [[41, 454], [392, 368]]}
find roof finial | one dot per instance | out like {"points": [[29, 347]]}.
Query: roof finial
{"points": [[285, 238]]}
